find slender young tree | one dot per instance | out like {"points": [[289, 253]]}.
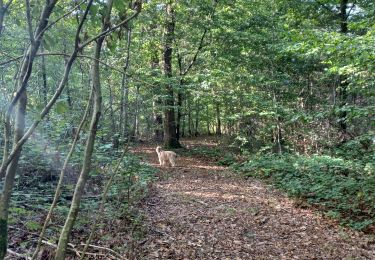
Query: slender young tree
{"points": [[95, 117], [20, 100], [97, 110], [4, 6]]}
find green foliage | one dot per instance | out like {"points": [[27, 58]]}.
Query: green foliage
{"points": [[132, 183], [32, 225], [227, 160], [344, 189], [224, 158]]}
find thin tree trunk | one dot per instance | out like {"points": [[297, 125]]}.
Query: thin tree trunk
{"points": [[68, 95], [126, 113], [124, 108], [190, 119], [184, 120], [115, 136], [97, 107], [157, 101], [208, 120], [218, 120], [343, 93], [157, 121], [135, 131], [196, 117], [61, 177], [3, 9], [180, 98], [102, 204], [44, 76], [21, 100]]}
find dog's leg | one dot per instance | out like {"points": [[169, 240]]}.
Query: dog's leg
{"points": [[160, 161], [172, 160]]}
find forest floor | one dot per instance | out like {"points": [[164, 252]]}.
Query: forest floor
{"points": [[198, 210]]}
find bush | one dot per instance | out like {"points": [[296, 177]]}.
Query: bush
{"points": [[343, 189]]}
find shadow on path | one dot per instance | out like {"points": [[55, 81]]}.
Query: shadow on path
{"points": [[202, 211]]}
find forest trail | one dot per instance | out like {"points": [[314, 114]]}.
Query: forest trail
{"points": [[199, 210]]}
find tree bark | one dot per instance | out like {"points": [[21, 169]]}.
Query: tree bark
{"points": [[343, 85], [157, 102], [218, 120], [124, 108], [21, 100], [97, 107], [190, 119], [170, 135], [44, 76], [208, 120], [135, 131], [61, 178], [196, 133], [179, 109], [3, 9]]}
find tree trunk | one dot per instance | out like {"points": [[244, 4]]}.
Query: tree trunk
{"points": [[179, 109], [97, 106], [124, 108], [170, 135], [218, 120], [135, 131], [3, 9], [190, 119], [184, 121], [10, 174], [208, 120], [157, 101], [343, 92], [19, 128], [157, 121], [2, 14], [115, 136], [196, 117], [44, 76]]}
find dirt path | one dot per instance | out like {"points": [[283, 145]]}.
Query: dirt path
{"points": [[202, 211]]}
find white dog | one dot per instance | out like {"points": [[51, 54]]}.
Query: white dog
{"points": [[165, 156]]}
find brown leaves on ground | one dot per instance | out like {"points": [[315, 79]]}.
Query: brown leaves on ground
{"points": [[198, 210]]}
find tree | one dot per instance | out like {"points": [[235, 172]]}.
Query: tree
{"points": [[170, 134]]}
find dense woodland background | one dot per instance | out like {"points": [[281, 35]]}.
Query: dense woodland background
{"points": [[288, 86]]}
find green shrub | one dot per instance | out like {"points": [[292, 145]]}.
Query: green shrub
{"points": [[344, 189]]}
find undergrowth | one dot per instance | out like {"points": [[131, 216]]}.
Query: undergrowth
{"points": [[33, 194], [344, 189]]}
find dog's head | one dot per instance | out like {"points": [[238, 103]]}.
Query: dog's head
{"points": [[158, 149]]}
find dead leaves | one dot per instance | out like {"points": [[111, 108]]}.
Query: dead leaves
{"points": [[200, 211]]}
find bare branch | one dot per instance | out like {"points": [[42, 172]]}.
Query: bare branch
{"points": [[52, 101], [196, 53], [61, 17], [326, 7], [80, 25], [64, 55], [110, 29], [351, 9], [6, 6]]}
